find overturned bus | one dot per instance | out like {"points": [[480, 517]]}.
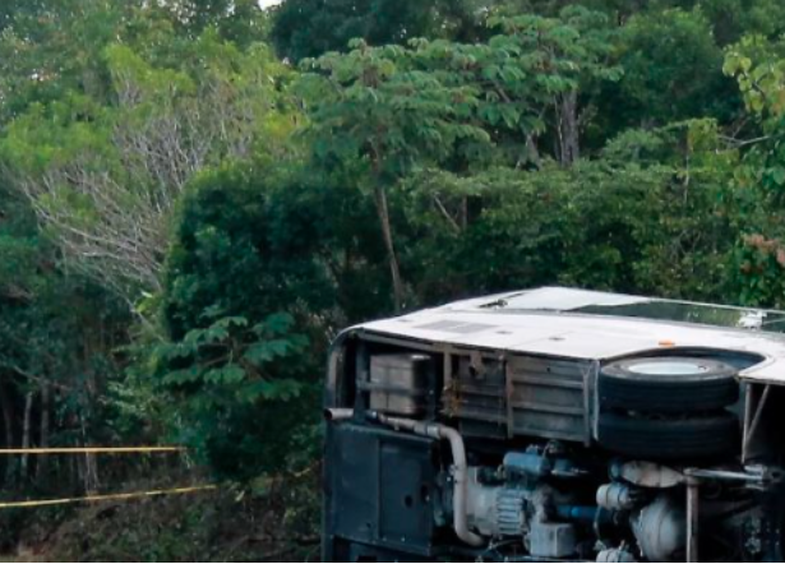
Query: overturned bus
{"points": [[558, 425]]}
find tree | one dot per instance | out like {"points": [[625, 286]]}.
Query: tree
{"points": [[671, 51], [55, 47], [760, 71], [373, 111], [58, 333], [156, 151], [558, 59], [311, 28], [107, 176], [12, 10], [653, 214], [240, 21], [732, 19], [247, 288]]}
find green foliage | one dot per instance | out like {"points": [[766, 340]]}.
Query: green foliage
{"points": [[638, 220], [54, 47], [246, 376], [57, 336], [105, 173], [239, 21], [373, 105], [383, 113], [732, 19], [186, 221], [242, 390], [557, 64], [671, 51], [310, 28], [759, 69], [762, 266]]}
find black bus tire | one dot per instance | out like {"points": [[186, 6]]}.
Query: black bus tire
{"points": [[635, 385], [670, 439]]}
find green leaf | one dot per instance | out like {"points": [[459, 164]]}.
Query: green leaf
{"points": [[227, 375], [184, 376], [778, 175], [284, 390]]}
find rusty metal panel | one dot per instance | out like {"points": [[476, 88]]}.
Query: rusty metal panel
{"points": [[476, 395], [549, 398], [519, 396]]}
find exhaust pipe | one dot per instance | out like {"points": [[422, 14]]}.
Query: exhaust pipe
{"points": [[338, 414]]}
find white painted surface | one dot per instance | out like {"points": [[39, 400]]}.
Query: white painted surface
{"points": [[573, 335]]}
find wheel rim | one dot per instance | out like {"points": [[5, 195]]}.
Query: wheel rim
{"points": [[669, 368]]}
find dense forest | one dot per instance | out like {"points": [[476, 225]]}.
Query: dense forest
{"points": [[196, 195]]}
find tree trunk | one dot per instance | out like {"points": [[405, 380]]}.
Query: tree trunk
{"points": [[91, 473], [532, 152], [8, 418], [26, 426], [90, 464], [380, 195], [568, 128], [10, 441], [43, 461]]}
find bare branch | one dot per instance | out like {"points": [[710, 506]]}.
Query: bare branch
{"points": [[112, 214]]}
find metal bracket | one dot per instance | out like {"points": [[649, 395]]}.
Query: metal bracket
{"points": [[693, 518], [751, 425]]}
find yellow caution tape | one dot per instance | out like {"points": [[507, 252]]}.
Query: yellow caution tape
{"points": [[105, 497], [90, 450]]}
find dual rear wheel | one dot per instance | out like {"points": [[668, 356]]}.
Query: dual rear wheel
{"points": [[668, 408]]}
